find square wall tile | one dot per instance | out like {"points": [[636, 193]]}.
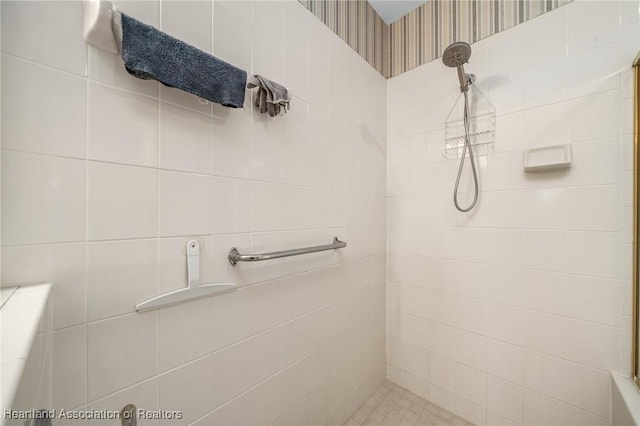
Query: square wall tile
{"points": [[43, 199], [593, 345], [235, 412], [268, 156], [296, 69], [546, 250], [123, 127], [594, 208], [544, 374], [555, 130], [538, 409], [593, 254], [594, 70], [505, 398], [120, 274], [230, 205], [54, 100], [230, 373], [595, 162], [294, 341], [576, 416], [266, 206], [296, 199], [69, 357], [183, 204], [442, 372], [185, 139], [592, 24], [442, 397], [471, 384], [189, 21], [267, 56], [546, 38], [172, 395], [144, 395], [231, 151], [319, 68], [266, 355], [232, 318], [546, 208], [266, 401], [589, 389], [546, 83], [146, 11], [595, 117], [121, 352], [49, 33], [471, 411], [227, 21], [267, 17], [123, 202], [184, 333]]}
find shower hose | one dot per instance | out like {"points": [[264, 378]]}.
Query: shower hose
{"points": [[467, 145]]}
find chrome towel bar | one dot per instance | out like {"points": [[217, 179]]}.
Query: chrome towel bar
{"points": [[235, 256]]}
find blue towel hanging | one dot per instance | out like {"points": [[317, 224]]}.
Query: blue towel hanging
{"points": [[148, 53]]}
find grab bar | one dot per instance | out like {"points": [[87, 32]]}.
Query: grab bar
{"points": [[235, 256]]}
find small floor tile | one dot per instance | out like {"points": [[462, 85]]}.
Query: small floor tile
{"points": [[392, 405]]}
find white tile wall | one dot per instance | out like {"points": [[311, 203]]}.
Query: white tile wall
{"points": [[52, 99], [510, 315], [134, 139], [47, 196], [122, 201], [105, 178], [120, 273], [517, 305]]}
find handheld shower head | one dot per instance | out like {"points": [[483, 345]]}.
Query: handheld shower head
{"points": [[455, 56]]}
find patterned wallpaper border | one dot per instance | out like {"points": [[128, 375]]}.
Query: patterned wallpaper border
{"points": [[359, 25], [422, 34]]}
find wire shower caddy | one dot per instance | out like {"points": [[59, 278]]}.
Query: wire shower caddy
{"points": [[482, 126]]}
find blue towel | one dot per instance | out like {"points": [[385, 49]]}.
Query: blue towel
{"points": [[151, 54]]}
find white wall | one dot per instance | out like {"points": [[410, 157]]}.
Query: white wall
{"points": [[105, 178], [516, 312]]}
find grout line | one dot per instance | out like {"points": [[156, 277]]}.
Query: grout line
{"points": [[590, 322], [86, 236], [497, 340], [157, 375]]}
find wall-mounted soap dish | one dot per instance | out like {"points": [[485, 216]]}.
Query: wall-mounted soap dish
{"points": [[547, 158]]}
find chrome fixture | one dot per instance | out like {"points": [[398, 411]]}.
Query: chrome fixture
{"points": [[235, 256], [129, 415], [455, 56]]}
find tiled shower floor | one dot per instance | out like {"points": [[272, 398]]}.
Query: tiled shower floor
{"points": [[393, 405]]}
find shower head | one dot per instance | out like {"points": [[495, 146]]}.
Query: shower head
{"points": [[455, 56]]}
